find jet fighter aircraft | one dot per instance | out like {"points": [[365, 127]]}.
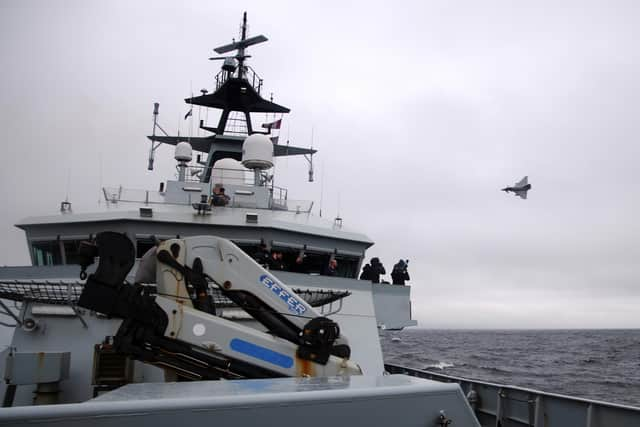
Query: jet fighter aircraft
{"points": [[520, 188]]}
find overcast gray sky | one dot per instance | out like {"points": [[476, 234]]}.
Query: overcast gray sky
{"points": [[421, 111]]}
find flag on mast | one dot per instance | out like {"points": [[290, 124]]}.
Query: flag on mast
{"points": [[272, 125], [189, 113]]}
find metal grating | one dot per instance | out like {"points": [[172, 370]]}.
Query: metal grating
{"points": [[46, 292], [68, 293]]}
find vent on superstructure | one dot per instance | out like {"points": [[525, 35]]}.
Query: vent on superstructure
{"points": [[251, 218], [146, 213]]}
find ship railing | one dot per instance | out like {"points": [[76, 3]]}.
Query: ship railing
{"points": [[221, 78], [244, 177], [249, 74], [222, 176], [298, 206], [506, 405], [253, 78], [278, 195], [120, 194]]}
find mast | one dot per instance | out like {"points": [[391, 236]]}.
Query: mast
{"points": [[241, 57], [237, 89]]}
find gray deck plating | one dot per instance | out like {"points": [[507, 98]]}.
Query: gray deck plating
{"points": [[337, 401]]}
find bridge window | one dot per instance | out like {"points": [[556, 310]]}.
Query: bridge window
{"points": [[46, 253], [71, 251], [314, 261], [55, 252], [347, 266], [142, 246]]}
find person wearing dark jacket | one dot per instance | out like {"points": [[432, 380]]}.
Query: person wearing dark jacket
{"points": [[262, 255], [400, 273], [366, 272], [218, 198], [331, 268], [377, 269], [275, 261], [300, 265], [373, 270]]}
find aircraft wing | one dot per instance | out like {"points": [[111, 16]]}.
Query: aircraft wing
{"points": [[524, 181], [522, 194]]}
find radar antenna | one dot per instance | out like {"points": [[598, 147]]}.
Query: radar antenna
{"points": [[240, 46]]}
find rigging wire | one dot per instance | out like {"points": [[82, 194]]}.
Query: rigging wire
{"points": [[321, 180], [68, 183], [100, 176], [190, 113]]}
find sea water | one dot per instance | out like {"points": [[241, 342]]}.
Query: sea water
{"points": [[595, 364]]}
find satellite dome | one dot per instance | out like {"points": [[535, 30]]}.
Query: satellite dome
{"points": [[228, 171], [183, 152], [257, 152]]}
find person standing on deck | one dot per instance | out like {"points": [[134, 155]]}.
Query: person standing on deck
{"points": [[376, 270], [400, 273]]}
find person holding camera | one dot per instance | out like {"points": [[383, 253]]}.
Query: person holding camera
{"points": [[399, 273]]}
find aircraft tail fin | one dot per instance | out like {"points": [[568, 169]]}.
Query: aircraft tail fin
{"points": [[524, 181]]}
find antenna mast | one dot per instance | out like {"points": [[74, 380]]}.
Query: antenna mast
{"points": [[154, 147], [241, 46], [309, 158]]}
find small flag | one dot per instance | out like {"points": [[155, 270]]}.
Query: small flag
{"points": [[273, 125], [189, 113]]}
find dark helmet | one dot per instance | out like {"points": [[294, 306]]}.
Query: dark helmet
{"points": [[375, 260]]}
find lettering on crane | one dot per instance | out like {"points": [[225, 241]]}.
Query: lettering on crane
{"points": [[295, 305]]}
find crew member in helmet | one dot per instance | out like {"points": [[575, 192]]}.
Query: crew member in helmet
{"points": [[400, 273]]}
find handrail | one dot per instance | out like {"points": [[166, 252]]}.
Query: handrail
{"points": [[279, 196], [499, 404], [250, 76]]}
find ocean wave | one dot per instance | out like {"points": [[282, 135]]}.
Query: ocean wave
{"points": [[439, 365], [600, 365]]}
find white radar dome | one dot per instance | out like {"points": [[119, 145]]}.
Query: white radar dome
{"points": [[257, 152], [183, 152], [228, 171]]}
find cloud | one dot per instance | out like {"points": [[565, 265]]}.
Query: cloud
{"points": [[421, 114]]}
